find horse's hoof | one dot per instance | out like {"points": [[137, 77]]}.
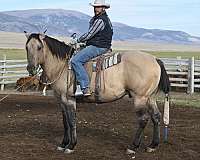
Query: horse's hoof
{"points": [[150, 150], [68, 151], [60, 149], [130, 151]]}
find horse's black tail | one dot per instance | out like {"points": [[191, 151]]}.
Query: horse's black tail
{"points": [[164, 83]]}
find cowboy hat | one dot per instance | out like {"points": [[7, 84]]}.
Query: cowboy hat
{"points": [[100, 3]]}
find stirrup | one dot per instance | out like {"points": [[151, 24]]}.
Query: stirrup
{"points": [[78, 91], [87, 92]]}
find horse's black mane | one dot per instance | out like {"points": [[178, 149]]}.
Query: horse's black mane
{"points": [[57, 48]]}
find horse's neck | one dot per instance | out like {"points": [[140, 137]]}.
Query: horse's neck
{"points": [[53, 67]]}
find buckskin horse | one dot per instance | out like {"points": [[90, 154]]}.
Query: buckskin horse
{"points": [[140, 75]]}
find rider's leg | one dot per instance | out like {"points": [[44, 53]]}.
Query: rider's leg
{"points": [[80, 59]]}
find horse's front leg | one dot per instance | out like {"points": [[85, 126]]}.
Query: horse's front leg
{"points": [[69, 120], [65, 140]]}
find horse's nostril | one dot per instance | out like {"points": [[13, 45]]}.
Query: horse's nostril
{"points": [[28, 68]]}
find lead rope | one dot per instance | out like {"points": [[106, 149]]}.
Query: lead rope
{"points": [[52, 82]]}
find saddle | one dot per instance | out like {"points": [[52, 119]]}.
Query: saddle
{"points": [[98, 65]]}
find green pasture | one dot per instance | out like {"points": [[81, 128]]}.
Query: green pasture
{"points": [[175, 54], [13, 53], [21, 54], [169, 54], [182, 99]]}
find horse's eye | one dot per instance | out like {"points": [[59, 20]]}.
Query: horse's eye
{"points": [[39, 48]]}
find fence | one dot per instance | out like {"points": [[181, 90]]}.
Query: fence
{"points": [[184, 73], [11, 70]]}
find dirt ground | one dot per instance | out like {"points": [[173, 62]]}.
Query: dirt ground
{"points": [[31, 128]]}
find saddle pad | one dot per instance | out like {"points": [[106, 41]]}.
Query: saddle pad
{"points": [[107, 61]]}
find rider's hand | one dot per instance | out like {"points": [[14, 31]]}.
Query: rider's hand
{"points": [[73, 41]]}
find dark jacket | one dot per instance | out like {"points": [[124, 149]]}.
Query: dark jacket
{"points": [[100, 32]]}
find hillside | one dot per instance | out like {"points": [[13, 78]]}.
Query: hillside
{"points": [[65, 22]]}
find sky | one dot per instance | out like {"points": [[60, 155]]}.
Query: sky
{"points": [[181, 15]]}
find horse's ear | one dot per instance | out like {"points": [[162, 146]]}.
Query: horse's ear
{"points": [[45, 31], [42, 36], [27, 34]]}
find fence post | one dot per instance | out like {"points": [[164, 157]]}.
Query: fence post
{"points": [[3, 73], [191, 76]]}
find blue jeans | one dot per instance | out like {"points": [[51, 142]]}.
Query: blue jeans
{"points": [[80, 59]]}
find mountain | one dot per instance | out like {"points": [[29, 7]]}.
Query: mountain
{"points": [[10, 23], [65, 22], [58, 22]]}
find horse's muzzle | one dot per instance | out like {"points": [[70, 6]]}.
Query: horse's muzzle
{"points": [[32, 70]]}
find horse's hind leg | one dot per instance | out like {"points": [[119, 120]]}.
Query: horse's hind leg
{"points": [[143, 117], [155, 117]]}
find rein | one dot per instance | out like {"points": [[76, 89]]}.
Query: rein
{"points": [[52, 82]]}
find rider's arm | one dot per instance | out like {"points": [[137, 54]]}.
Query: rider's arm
{"points": [[97, 26]]}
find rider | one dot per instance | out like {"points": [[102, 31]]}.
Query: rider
{"points": [[98, 40]]}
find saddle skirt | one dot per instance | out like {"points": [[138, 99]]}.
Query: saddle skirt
{"points": [[105, 61], [96, 68]]}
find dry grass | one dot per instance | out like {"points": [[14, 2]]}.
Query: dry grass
{"points": [[150, 46], [13, 44], [12, 40], [18, 40]]}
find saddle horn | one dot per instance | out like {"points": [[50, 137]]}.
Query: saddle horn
{"points": [[73, 35]]}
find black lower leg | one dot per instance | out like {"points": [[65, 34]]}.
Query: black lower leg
{"points": [[71, 115], [156, 130], [143, 118], [65, 138]]}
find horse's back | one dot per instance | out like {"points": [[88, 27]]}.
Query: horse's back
{"points": [[139, 56]]}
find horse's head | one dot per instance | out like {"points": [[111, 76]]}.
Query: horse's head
{"points": [[35, 51], [39, 47]]}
